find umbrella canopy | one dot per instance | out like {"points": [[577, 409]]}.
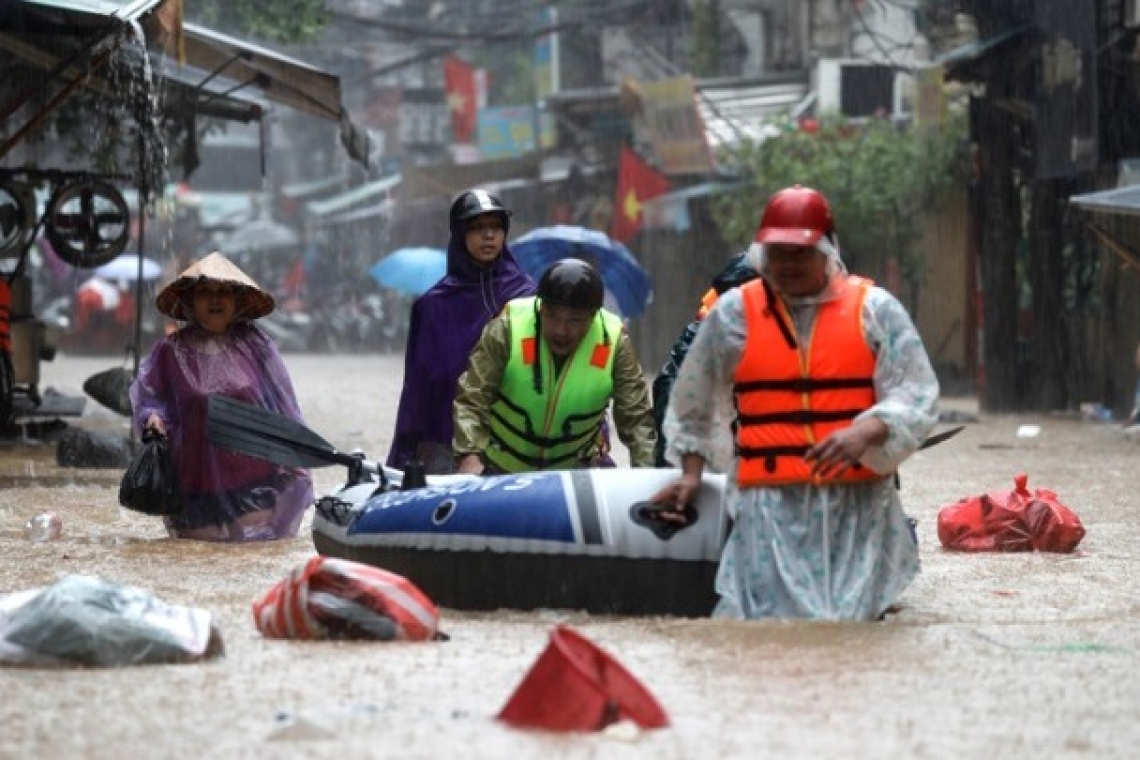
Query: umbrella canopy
{"points": [[623, 276], [125, 266], [410, 270], [96, 294]]}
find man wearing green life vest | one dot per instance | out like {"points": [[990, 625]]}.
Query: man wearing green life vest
{"points": [[541, 378]]}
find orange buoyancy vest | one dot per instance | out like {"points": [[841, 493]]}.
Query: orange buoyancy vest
{"points": [[708, 300], [790, 396]]}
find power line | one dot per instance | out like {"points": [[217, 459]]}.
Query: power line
{"points": [[518, 32]]}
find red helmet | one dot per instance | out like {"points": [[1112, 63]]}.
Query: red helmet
{"points": [[796, 216]]}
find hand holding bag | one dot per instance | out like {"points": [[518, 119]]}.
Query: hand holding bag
{"points": [[150, 484]]}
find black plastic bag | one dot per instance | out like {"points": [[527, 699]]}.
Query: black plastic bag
{"points": [[150, 484]]}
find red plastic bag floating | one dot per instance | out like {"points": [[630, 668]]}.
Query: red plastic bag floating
{"points": [[575, 686], [329, 598], [1010, 521]]}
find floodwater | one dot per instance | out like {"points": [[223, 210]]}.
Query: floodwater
{"points": [[1010, 656]]}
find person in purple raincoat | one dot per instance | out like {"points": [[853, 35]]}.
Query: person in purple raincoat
{"points": [[221, 350], [482, 275]]}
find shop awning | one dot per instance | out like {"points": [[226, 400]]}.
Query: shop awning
{"points": [[323, 186], [959, 61], [214, 75], [671, 210], [735, 112], [355, 197], [282, 79], [93, 10], [367, 214], [1121, 200], [61, 27], [184, 87]]}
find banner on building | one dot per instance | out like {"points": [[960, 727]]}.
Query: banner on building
{"points": [[546, 58], [637, 183], [930, 103], [508, 131], [675, 127]]}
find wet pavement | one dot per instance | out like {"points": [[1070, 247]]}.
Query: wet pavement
{"points": [[1011, 656]]}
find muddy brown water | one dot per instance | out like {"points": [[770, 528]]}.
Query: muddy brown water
{"points": [[1025, 655]]}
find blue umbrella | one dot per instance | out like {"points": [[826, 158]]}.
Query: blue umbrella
{"points": [[410, 270], [623, 275]]}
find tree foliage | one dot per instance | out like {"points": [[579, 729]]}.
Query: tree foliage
{"points": [[879, 179], [283, 21], [706, 38]]}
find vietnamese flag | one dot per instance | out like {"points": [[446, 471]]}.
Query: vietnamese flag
{"points": [[637, 182], [460, 79]]}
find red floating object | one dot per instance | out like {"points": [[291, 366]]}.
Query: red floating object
{"points": [[575, 686], [1010, 521]]}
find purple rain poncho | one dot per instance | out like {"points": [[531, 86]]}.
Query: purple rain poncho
{"points": [[225, 496], [446, 322]]}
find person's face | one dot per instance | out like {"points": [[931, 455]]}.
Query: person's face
{"points": [[796, 270], [563, 328], [214, 305], [485, 238]]}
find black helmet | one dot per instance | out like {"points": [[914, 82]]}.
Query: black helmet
{"points": [[475, 202], [572, 283]]}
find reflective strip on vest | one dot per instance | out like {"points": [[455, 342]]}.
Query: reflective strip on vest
{"points": [[788, 397], [557, 427]]}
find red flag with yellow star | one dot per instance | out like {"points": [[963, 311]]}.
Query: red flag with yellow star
{"points": [[460, 79], [637, 182]]}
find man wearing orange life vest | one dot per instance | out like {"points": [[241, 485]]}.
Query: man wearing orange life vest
{"points": [[809, 387]]}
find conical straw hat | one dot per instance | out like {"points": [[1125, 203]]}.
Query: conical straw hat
{"points": [[251, 301]]}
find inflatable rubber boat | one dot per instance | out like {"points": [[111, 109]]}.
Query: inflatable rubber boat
{"points": [[576, 539], [573, 539]]}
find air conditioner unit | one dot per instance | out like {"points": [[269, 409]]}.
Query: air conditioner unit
{"points": [[856, 88]]}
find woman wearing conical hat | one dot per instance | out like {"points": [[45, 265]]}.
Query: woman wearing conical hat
{"points": [[220, 350]]}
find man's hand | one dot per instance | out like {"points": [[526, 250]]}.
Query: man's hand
{"points": [[682, 491], [840, 451], [674, 497], [470, 464]]}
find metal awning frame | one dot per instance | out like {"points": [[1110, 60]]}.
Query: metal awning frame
{"points": [[82, 69], [283, 79], [75, 69], [213, 56]]}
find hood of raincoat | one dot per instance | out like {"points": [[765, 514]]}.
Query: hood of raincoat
{"points": [[446, 322]]}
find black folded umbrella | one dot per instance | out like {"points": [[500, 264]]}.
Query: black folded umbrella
{"points": [[110, 388]]}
